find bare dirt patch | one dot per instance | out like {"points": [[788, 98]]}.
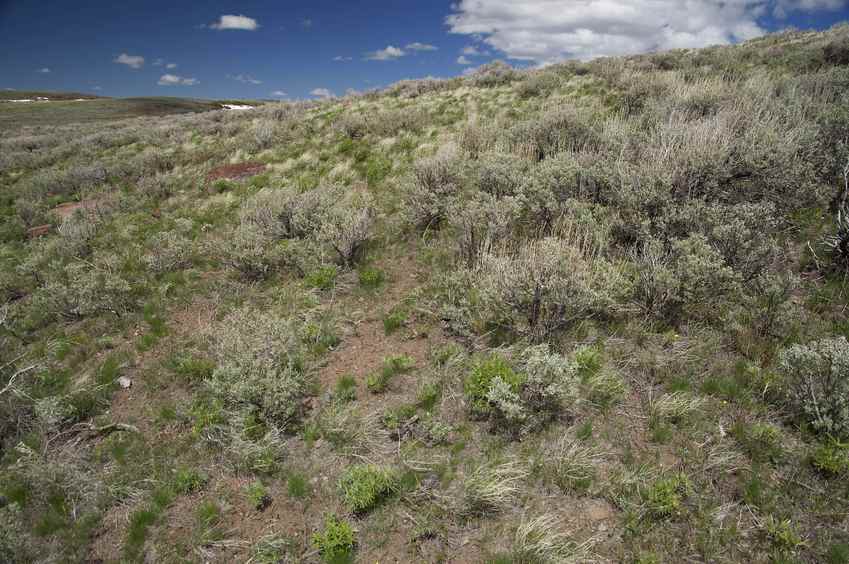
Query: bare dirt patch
{"points": [[238, 171], [68, 208]]}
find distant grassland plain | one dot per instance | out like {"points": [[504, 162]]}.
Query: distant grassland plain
{"points": [[65, 108]]}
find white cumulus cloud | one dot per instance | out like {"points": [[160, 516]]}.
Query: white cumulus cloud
{"points": [[546, 31], [471, 51], [174, 80], [43, 70], [245, 78], [279, 94], [171, 66], [321, 93], [229, 21], [416, 46], [463, 60], [132, 61], [340, 58], [390, 53]]}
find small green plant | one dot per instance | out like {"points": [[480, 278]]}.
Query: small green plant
{"points": [[192, 369], [584, 431], [363, 486], [346, 389], [484, 376], [188, 480], [370, 277], [831, 459], [783, 536], [336, 542], [427, 395], [258, 495], [664, 498], [605, 388], [208, 516], [296, 485], [838, 553], [377, 382], [589, 361], [761, 441], [140, 521], [394, 320], [675, 407], [323, 278]]}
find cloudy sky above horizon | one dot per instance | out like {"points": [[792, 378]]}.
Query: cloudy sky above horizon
{"points": [[322, 48]]}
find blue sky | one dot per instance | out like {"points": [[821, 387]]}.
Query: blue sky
{"points": [[299, 49]]}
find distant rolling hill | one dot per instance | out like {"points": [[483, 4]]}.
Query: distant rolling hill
{"points": [[63, 108]]}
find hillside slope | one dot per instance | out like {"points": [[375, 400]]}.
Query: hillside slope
{"points": [[594, 312]]}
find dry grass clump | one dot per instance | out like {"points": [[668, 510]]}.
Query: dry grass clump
{"points": [[542, 540], [675, 406], [492, 488], [573, 464]]}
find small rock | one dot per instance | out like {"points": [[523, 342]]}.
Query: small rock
{"points": [[125, 382]]}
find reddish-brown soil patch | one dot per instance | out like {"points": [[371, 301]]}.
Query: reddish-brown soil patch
{"points": [[38, 231], [68, 208], [363, 350], [235, 172]]}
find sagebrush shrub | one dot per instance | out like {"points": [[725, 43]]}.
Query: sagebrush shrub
{"points": [[546, 285], [496, 73], [539, 84], [347, 228], [171, 250], [817, 383], [480, 221], [475, 139], [77, 231], [265, 131], [82, 289], [553, 132], [260, 365], [500, 175], [432, 191]]}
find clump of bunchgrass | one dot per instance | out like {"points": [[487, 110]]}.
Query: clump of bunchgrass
{"points": [[542, 540], [492, 487]]}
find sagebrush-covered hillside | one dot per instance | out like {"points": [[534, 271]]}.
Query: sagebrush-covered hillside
{"points": [[595, 312]]}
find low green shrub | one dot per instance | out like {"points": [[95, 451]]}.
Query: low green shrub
{"points": [[188, 480], [336, 542], [377, 382], [370, 277], [258, 495], [365, 485], [486, 374]]}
